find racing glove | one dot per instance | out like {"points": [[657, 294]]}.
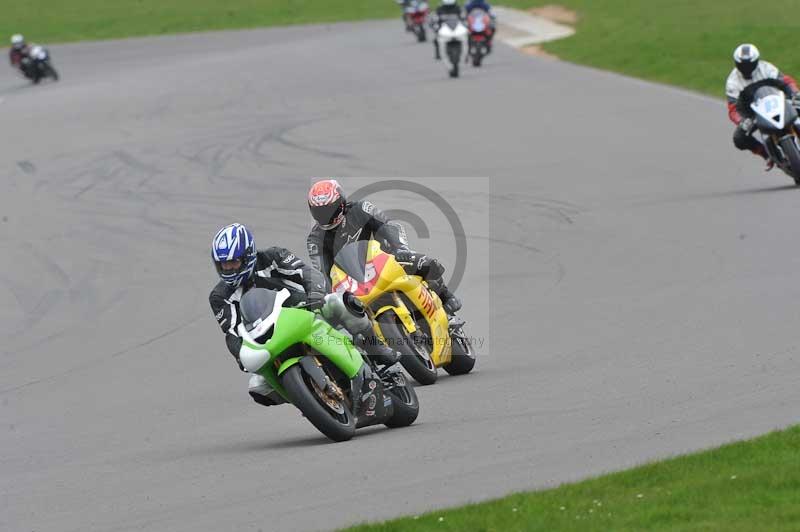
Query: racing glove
{"points": [[746, 125]]}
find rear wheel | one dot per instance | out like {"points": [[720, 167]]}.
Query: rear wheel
{"points": [[421, 35], [414, 356], [477, 58], [463, 354], [405, 403], [326, 410]]}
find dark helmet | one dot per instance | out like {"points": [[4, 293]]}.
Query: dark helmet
{"points": [[746, 58], [327, 202]]}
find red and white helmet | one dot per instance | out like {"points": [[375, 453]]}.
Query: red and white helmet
{"points": [[326, 201]]}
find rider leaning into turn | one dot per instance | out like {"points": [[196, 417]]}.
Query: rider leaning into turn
{"points": [[340, 222], [749, 68], [241, 267], [18, 52], [447, 8]]}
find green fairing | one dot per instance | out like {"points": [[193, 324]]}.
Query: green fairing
{"points": [[295, 326]]}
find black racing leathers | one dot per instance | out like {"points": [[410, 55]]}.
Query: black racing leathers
{"points": [[276, 268], [362, 221]]}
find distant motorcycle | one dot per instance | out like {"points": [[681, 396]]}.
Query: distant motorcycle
{"points": [[452, 36], [480, 28], [415, 14], [775, 117], [37, 66]]}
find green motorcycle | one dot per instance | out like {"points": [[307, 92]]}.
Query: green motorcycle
{"points": [[317, 368]]}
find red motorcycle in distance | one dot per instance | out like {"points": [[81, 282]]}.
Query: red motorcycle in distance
{"points": [[415, 13], [481, 31]]}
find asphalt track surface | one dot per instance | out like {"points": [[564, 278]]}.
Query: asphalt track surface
{"points": [[636, 280]]}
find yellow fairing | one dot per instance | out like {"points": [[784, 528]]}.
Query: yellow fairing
{"points": [[393, 280]]}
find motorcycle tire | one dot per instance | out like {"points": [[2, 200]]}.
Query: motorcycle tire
{"points": [[790, 149], [463, 356], [422, 36], [405, 404], [476, 59], [52, 72], [423, 371], [299, 388]]}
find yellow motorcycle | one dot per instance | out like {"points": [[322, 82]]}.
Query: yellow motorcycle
{"points": [[408, 316]]}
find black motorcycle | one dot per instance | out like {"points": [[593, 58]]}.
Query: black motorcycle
{"points": [[774, 113], [37, 66]]}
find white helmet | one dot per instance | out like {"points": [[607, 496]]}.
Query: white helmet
{"points": [[746, 58], [17, 41], [448, 2]]}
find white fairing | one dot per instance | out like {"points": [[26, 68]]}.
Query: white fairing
{"points": [[445, 35], [37, 52], [253, 359], [772, 108]]}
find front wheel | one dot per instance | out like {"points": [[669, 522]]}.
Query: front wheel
{"points": [[463, 354], [790, 150], [52, 72], [421, 35], [329, 414], [415, 358], [405, 403]]}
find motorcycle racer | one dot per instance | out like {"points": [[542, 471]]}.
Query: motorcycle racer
{"points": [[18, 53], [750, 68], [241, 266], [485, 6], [340, 222], [447, 8]]}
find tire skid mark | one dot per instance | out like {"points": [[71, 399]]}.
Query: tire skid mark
{"points": [[104, 358]]}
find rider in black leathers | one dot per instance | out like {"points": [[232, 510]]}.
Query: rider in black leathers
{"points": [[277, 268], [340, 222]]}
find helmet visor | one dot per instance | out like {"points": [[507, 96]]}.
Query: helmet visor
{"points": [[230, 268], [747, 68], [327, 216]]}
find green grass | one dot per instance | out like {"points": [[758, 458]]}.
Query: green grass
{"points": [[680, 42], [746, 486]]}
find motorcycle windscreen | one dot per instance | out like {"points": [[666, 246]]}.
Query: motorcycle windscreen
{"points": [[451, 21], [769, 106], [352, 260], [256, 306], [477, 20]]}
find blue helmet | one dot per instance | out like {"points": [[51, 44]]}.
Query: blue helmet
{"points": [[233, 251]]}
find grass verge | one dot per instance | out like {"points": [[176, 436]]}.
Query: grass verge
{"points": [[679, 42], [744, 486]]}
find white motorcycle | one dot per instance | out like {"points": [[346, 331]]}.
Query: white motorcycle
{"points": [[775, 117], [451, 38]]}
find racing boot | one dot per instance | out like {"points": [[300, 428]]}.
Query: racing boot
{"points": [[437, 54], [376, 350], [450, 302], [262, 393], [762, 152]]}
